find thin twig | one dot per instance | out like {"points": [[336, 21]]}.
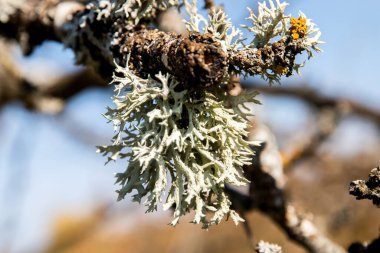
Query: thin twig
{"points": [[315, 99], [330, 110], [328, 120]]}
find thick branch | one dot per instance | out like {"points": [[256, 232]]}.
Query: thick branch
{"points": [[30, 23], [271, 201], [195, 57], [51, 98], [100, 42], [267, 192]]}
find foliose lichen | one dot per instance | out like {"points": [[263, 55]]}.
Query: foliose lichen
{"points": [[135, 10], [183, 145], [185, 142]]}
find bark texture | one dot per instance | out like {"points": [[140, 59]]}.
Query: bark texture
{"points": [[99, 42], [369, 189]]}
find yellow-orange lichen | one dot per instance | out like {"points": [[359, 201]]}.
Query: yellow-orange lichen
{"points": [[281, 70], [298, 27]]}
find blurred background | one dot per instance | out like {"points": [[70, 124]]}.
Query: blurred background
{"points": [[56, 195]]}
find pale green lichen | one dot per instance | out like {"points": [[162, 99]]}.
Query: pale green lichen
{"points": [[184, 142], [271, 24], [131, 10], [311, 37], [8, 8], [218, 24], [104, 9], [264, 247], [268, 23], [183, 145], [135, 10]]}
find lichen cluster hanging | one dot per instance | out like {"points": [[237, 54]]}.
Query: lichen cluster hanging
{"points": [[181, 132]]}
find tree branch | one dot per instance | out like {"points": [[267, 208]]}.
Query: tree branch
{"points": [[99, 42], [267, 192], [328, 119], [51, 98], [268, 58], [312, 97]]}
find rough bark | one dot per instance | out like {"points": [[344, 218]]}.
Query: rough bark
{"points": [[101, 42], [194, 58], [257, 61], [267, 195], [369, 189]]}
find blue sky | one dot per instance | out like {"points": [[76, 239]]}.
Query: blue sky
{"points": [[48, 165]]}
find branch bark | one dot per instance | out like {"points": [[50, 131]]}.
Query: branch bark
{"points": [[101, 42], [258, 61], [267, 194]]}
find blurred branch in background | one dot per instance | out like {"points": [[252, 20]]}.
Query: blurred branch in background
{"points": [[12, 85], [327, 121], [330, 113], [313, 98], [266, 191], [49, 99], [70, 230]]}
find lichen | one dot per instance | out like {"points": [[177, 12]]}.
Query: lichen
{"points": [[298, 27], [264, 247], [268, 23], [281, 70], [217, 24], [9, 7], [135, 10], [183, 145], [369, 189], [185, 138]]}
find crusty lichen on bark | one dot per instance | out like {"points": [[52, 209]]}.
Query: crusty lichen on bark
{"points": [[368, 189]]}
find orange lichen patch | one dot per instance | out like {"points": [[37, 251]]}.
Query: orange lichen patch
{"points": [[298, 27], [281, 70]]}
